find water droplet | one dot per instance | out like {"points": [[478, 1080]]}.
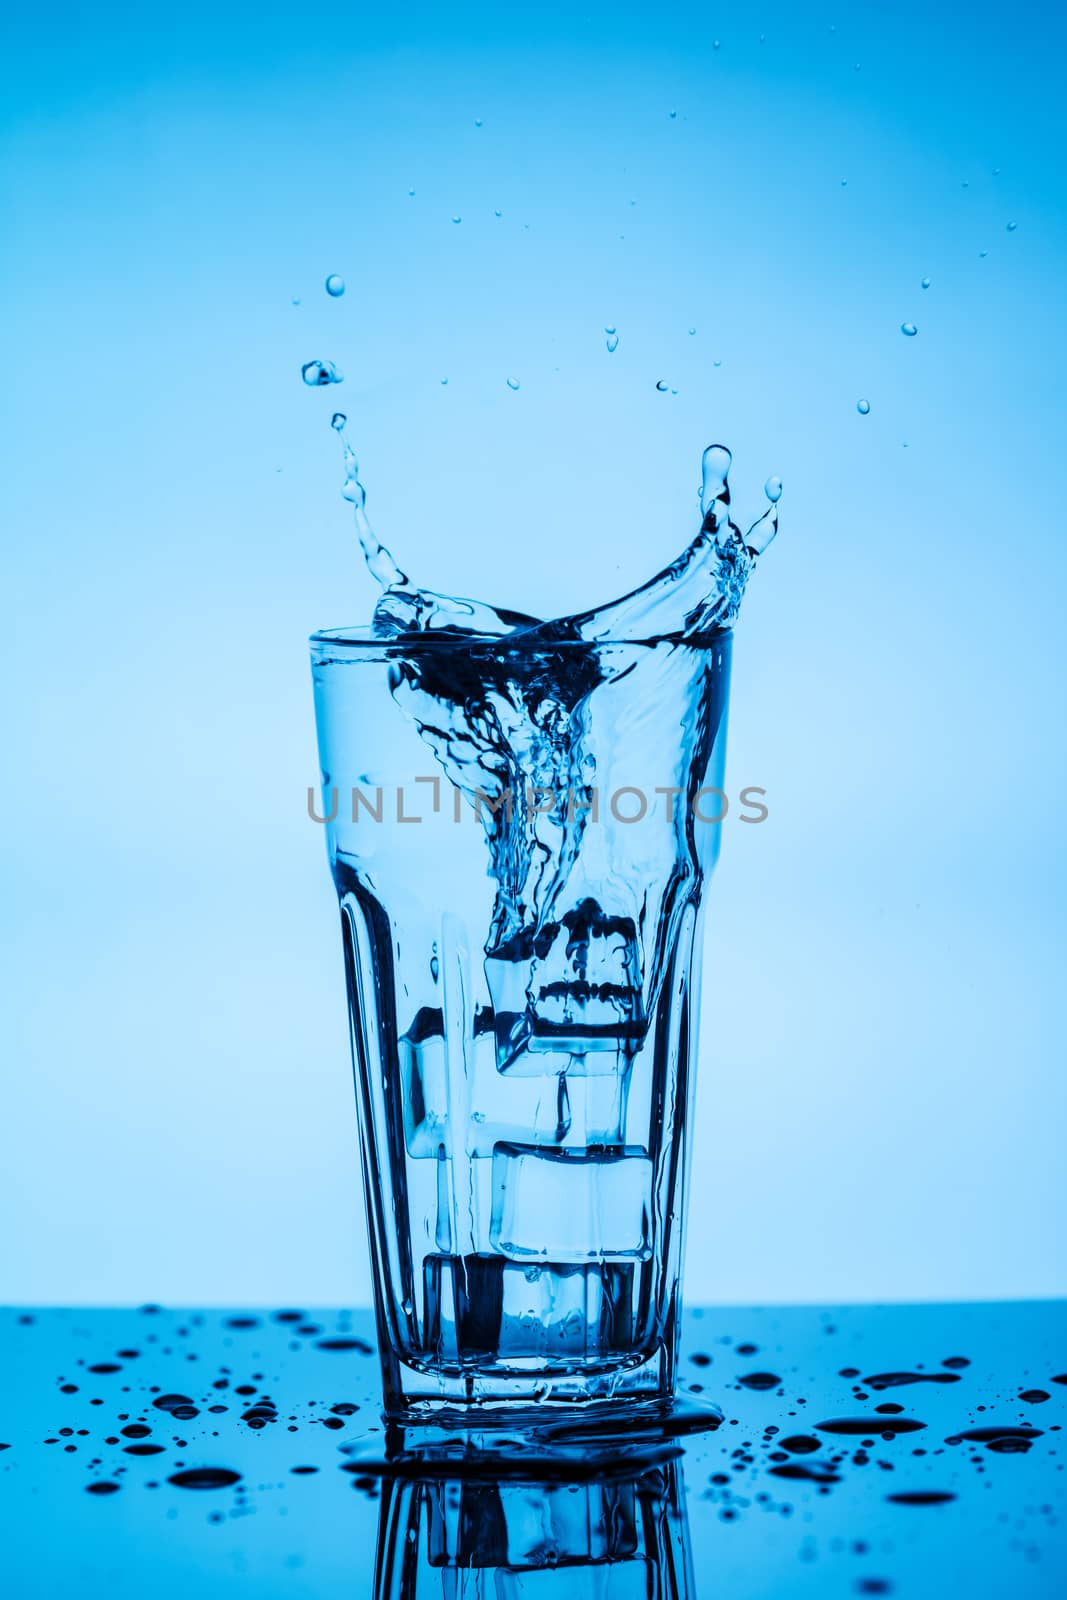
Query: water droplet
{"points": [[609, 331], [338, 420], [477, 122], [717, 362], [457, 219], [498, 213], [691, 332], [513, 383], [407, 1306], [205, 1478], [715, 44], [411, 194], [844, 183], [612, 343], [925, 284], [908, 329], [672, 114], [663, 386], [335, 286], [773, 490], [1012, 226], [444, 380], [296, 300], [982, 254], [863, 407], [317, 374]]}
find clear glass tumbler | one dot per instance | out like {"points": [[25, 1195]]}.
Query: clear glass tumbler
{"points": [[520, 831]]}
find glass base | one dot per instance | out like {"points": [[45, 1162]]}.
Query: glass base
{"points": [[594, 1439]]}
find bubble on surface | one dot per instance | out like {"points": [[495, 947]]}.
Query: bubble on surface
{"points": [[863, 407], [335, 286]]}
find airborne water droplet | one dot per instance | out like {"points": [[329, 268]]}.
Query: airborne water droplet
{"points": [[908, 329], [513, 383], [477, 122], [317, 374], [335, 286], [663, 386], [691, 332], [925, 284], [338, 420], [457, 219], [773, 490], [1012, 226], [863, 407], [672, 114], [612, 343]]}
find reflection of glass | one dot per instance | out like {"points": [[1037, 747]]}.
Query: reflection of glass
{"points": [[618, 1538], [519, 835]]}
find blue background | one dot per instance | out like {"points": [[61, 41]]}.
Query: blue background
{"points": [[881, 1108]]}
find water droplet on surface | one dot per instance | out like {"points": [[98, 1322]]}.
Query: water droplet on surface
{"points": [[908, 329], [760, 1381], [1033, 1397], [204, 1478], [1012, 226], [663, 386], [513, 383], [921, 1497], [317, 374], [925, 284], [863, 407], [338, 420], [335, 286], [773, 490], [612, 343]]}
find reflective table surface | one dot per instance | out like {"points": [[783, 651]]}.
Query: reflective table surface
{"points": [[903, 1450]]}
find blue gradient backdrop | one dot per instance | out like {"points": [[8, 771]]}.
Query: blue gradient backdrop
{"points": [[881, 1109]]}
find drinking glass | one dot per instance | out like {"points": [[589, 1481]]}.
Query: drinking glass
{"points": [[521, 831]]}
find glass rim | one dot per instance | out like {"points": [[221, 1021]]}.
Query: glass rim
{"points": [[361, 638]]}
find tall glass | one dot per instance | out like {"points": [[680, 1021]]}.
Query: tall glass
{"points": [[520, 834]]}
